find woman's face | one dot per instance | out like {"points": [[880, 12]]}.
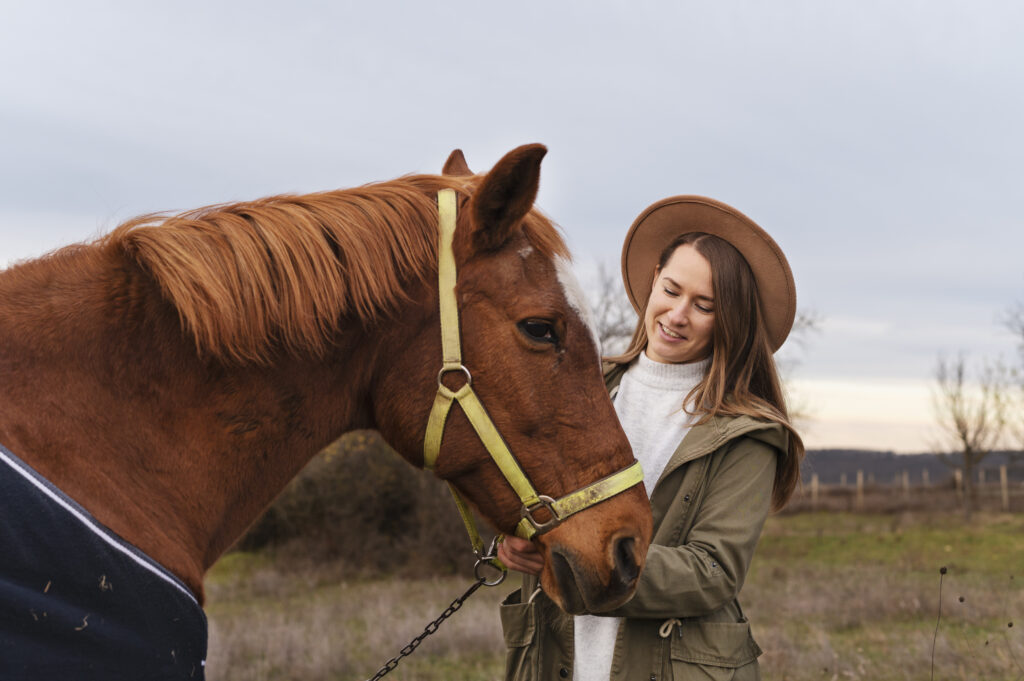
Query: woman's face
{"points": [[681, 310]]}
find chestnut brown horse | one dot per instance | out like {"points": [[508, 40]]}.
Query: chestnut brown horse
{"points": [[173, 375]]}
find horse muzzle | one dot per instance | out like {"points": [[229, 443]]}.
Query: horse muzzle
{"points": [[591, 570]]}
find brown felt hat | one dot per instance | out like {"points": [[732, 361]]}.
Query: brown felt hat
{"points": [[663, 221]]}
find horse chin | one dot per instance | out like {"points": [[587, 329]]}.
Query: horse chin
{"points": [[560, 583]]}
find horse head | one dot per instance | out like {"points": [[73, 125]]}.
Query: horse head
{"points": [[199, 360], [533, 360]]}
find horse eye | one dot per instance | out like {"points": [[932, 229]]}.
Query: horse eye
{"points": [[538, 330]]}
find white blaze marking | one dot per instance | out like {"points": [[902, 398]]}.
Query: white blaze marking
{"points": [[577, 300], [525, 251]]}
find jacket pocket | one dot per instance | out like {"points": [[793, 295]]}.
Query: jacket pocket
{"points": [[721, 651], [519, 626]]}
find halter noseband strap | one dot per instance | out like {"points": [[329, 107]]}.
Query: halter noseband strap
{"points": [[559, 509]]}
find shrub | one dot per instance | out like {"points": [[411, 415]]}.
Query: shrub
{"points": [[359, 502]]}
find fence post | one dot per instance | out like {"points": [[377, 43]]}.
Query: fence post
{"points": [[958, 480], [906, 485], [1004, 488], [924, 477], [981, 477], [842, 480], [814, 492], [860, 490]]}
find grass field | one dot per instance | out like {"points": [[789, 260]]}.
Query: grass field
{"points": [[831, 596], [856, 596]]}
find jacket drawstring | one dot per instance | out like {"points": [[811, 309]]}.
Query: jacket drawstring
{"points": [[666, 627]]}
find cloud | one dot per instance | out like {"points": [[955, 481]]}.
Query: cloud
{"points": [[878, 142]]}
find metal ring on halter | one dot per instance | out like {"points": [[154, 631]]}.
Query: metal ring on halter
{"points": [[489, 562], [547, 502], [446, 369], [490, 558]]}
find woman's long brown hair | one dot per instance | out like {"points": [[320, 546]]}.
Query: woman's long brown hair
{"points": [[742, 378]]}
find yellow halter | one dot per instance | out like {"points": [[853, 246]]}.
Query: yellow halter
{"points": [[560, 509]]}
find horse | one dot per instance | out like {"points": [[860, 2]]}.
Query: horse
{"points": [[160, 385]]}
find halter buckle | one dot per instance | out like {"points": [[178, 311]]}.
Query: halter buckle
{"points": [[543, 501]]}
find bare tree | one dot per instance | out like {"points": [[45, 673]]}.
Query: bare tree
{"points": [[971, 417], [614, 318], [806, 324], [1014, 321]]}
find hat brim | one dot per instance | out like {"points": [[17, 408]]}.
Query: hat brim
{"points": [[664, 220]]}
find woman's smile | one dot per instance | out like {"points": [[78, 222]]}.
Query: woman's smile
{"points": [[668, 332]]}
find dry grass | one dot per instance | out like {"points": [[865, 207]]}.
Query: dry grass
{"points": [[845, 596], [832, 596], [271, 621]]}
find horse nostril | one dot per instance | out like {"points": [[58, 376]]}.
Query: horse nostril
{"points": [[625, 560]]}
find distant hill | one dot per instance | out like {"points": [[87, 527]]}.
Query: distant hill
{"points": [[884, 467]]}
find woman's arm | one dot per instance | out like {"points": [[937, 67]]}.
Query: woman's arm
{"points": [[707, 571]]}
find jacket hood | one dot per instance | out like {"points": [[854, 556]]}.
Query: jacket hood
{"points": [[705, 438]]}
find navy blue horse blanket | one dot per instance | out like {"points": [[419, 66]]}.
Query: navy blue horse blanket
{"points": [[77, 602]]}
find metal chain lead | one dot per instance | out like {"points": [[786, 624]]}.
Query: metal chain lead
{"points": [[430, 629], [489, 560]]}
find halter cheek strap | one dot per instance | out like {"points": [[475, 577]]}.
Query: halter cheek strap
{"points": [[559, 509]]}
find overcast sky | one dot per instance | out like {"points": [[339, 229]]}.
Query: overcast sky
{"points": [[880, 143]]}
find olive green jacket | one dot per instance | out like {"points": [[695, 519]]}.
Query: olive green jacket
{"points": [[684, 621]]}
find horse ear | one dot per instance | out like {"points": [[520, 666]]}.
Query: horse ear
{"points": [[456, 164], [505, 196]]}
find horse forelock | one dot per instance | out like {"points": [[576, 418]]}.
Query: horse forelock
{"points": [[285, 272]]}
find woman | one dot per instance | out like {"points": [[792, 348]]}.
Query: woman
{"points": [[699, 398]]}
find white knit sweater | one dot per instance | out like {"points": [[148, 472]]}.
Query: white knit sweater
{"points": [[649, 406]]}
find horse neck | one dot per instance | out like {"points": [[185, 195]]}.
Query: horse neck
{"points": [[107, 397]]}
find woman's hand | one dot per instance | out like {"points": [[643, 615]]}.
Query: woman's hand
{"points": [[520, 554]]}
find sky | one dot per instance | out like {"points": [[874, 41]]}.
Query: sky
{"points": [[880, 143]]}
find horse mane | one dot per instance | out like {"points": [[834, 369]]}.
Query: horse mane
{"points": [[283, 272]]}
